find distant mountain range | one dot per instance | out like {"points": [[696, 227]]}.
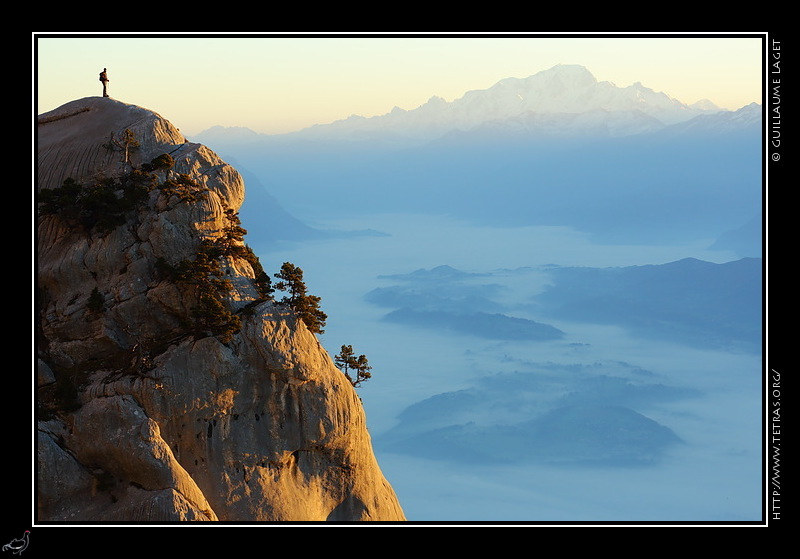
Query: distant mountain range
{"points": [[564, 99], [556, 148]]}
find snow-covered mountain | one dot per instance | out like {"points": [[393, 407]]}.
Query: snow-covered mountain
{"points": [[605, 123], [564, 97], [748, 117], [564, 100], [569, 89]]}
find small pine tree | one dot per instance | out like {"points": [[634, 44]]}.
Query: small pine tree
{"points": [[304, 305], [307, 308], [232, 240], [347, 361], [291, 281]]}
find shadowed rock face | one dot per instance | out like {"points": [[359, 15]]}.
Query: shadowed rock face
{"points": [[144, 419]]}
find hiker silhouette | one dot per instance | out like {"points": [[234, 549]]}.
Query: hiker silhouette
{"points": [[104, 79]]}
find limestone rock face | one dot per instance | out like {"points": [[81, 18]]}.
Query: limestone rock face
{"points": [[143, 416]]}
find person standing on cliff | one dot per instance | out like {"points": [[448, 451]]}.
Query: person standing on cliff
{"points": [[104, 79]]}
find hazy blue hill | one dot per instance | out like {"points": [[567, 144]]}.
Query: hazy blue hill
{"points": [[526, 394], [448, 299], [436, 274], [483, 325], [578, 436], [597, 434], [690, 301], [556, 414]]}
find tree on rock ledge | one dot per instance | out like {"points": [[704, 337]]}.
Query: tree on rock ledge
{"points": [[304, 305], [347, 361]]}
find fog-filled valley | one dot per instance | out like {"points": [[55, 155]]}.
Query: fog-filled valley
{"points": [[562, 327], [593, 420]]}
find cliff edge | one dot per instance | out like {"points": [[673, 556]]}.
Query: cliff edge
{"points": [[171, 386]]}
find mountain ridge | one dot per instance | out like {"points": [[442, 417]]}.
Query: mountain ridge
{"points": [[562, 89]]}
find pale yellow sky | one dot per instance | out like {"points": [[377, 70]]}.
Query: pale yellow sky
{"points": [[281, 84]]}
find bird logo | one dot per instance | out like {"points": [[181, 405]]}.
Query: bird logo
{"points": [[18, 545]]}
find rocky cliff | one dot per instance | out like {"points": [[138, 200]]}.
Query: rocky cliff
{"points": [[171, 385]]}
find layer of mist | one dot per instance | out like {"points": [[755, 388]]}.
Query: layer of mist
{"points": [[604, 422]]}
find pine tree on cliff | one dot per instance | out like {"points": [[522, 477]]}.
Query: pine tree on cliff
{"points": [[304, 305], [347, 361]]}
